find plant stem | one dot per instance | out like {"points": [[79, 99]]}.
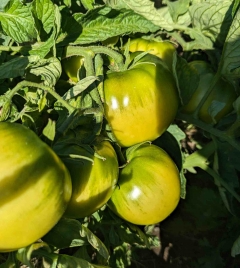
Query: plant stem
{"points": [[208, 128], [77, 50], [46, 88]]}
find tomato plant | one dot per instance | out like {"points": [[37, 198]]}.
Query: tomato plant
{"points": [[223, 95], [93, 182], [148, 188], [137, 101], [71, 66], [35, 187], [163, 50]]}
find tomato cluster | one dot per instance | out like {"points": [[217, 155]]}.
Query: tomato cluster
{"points": [[219, 102]]}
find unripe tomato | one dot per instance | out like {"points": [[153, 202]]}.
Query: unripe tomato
{"points": [[149, 187], [140, 103], [163, 50], [35, 187], [93, 183], [71, 66], [223, 95]]}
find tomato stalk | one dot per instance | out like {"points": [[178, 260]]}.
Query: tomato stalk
{"points": [[224, 135], [45, 88], [82, 51]]}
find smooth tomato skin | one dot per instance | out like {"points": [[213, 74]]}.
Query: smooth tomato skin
{"points": [[71, 66], [162, 49], [148, 187], [93, 184], [140, 103], [35, 187], [223, 92]]}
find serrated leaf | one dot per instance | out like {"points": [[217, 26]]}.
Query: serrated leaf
{"points": [[94, 241], [213, 19], [178, 8], [231, 51], [79, 87], [17, 21], [48, 69], [44, 12], [16, 66], [88, 4], [159, 17], [102, 23]]}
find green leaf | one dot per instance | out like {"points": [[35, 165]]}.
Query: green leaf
{"points": [[48, 69], [50, 130], [230, 59], [43, 10], [16, 66], [17, 22], [178, 8], [25, 254], [88, 4], [65, 234], [79, 87], [213, 19], [11, 261], [94, 241], [159, 17], [66, 261], [102, 23], [235, 250]]}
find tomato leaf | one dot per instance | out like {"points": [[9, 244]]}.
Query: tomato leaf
{"points": [[16, 66], [66, 261], [178, 8], [79, 87], [50, 130], [236, 247], [231, 51], [17, 21], [94, 241], [44, 12], [65, 234], [48, 69], [145, 8], [102, 23], [213, 19], [25, 254]]}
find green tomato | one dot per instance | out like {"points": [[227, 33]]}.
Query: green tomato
{"points": [[164, 50], [93, 183], [71, 66], [35, 187], [220, 101], [140, 103], [148, 187]]}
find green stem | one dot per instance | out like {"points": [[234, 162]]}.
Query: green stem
{"points": [[208, 128], [46, 88], [77, 50], [220, 180]]}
